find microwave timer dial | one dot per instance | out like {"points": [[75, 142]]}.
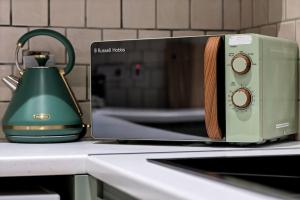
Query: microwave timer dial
{"points": [[241, 63], [241, 98]]}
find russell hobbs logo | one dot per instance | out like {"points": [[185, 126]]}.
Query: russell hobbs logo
{"points": [[110, 50]]}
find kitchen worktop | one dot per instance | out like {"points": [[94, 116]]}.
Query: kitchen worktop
{"points": [[120, 164]]}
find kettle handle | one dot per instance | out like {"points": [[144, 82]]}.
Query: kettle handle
{"points": [[51, 33]]}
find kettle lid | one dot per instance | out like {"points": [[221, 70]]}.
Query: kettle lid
{"points": [[38, 59]]}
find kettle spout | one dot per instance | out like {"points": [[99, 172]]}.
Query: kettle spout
{"points": [[11, 81]]}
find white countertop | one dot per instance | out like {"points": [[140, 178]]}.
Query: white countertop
{"points": [[68, 158], [119, 165]]}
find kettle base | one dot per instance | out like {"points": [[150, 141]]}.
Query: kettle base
{"points": [[43, 139]]}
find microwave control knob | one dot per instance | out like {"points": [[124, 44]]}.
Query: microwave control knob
{"points": [[241, 98], [241, 63]]}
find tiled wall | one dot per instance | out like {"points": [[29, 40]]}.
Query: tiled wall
{"points": [[280, 18], [84, 21], [271, 17]]}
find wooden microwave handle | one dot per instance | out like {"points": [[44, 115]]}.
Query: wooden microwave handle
{"points": [[210, 87]]}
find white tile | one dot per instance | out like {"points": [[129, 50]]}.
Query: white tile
{"points": [[173, 14], [5, 92], [246, 13], [67, 13], [139, 13], [82, 45], [153, 34], [77, 80], [232, 19], [115, 34], [187, 33], [8, 40], [4, 12], [276, 10], [260, 12], [287, 30], [206, 14], [292, 9], [30, 12], [104, 13]]}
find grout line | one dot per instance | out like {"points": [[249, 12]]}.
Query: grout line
{"points": [[252, 17], [48, 20], [190, 14], [7, 63], [85, 13], [285, 9], [115, 28], [223, 7], [155, 13], [10, 12], [100, 35], [83, 101], [295, 38], [135, 29], [121, 14], [28, 45], [65, 57], [240, 26], [269, 18], [5, 101], [87, 82]]}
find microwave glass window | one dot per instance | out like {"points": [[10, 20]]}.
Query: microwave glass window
{"points": [[153, 83]]}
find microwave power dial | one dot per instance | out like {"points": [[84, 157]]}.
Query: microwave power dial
{"points": [[241, 98], [241, 63]]}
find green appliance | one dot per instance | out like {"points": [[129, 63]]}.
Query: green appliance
{"points": [[43, 108], [261, 88], [235, 88]]}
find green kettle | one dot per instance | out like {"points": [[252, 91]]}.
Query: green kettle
{"points": [[43, 108]]}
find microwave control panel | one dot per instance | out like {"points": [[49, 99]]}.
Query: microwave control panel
{"points": [[241, 66], [260, 87], [242, 79]]}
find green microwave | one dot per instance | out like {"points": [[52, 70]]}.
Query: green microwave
{"points": [[239, 88]]}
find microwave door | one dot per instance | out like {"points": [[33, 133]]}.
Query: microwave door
{"points": [[154, 84]]}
